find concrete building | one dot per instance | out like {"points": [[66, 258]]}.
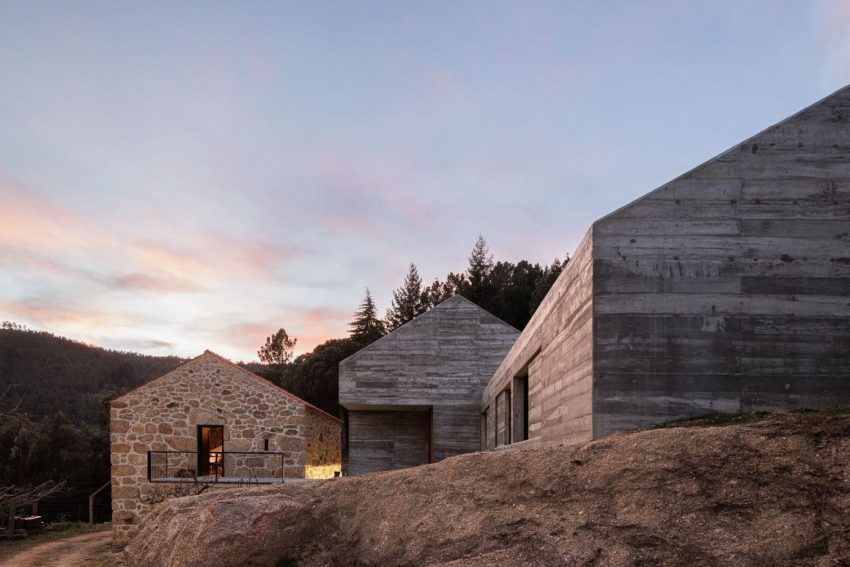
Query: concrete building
{"points": [[212, 423], [413, 396], [725, 290]]}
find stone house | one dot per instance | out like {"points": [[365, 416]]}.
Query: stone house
{"points": [[212, 423], [725, 290], [413, 396]]}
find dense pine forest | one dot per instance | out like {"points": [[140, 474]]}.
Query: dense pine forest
{"points": [[42, 374]]}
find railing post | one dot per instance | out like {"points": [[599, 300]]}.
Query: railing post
{"points": [[91, 501]]}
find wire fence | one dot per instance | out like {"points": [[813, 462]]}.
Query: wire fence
{"points": [[72, 505]]}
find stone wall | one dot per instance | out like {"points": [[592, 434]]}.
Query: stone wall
{"points": [[164, 415], [324, 446]]}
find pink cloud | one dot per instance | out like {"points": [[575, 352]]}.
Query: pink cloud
{"points": [[836, 21], [30, 220], [311, 327], [161, 284], [215, 257], [52, 315]]}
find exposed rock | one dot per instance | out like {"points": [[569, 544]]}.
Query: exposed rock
{"points": [[770, 492]]}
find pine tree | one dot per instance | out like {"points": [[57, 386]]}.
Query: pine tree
{"points": [[408, 301], [278, 348], [477, 281], [545, 282], [437, 293], [366, 328]]}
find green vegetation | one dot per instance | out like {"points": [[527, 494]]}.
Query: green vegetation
{"points": [[366, 327], [313, 376], [42, 374], [278, 348], [409, 301], [51, 448]]}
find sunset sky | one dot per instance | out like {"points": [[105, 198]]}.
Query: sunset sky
{"points": [[176, 176]]}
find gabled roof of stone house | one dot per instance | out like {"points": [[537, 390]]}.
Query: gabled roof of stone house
{"points": [[241, 371], [453, 302]]}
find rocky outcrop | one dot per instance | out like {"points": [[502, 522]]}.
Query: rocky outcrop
{"points": [[772, 492]]}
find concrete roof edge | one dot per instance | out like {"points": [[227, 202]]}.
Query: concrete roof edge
{"points": [[726, 151]]}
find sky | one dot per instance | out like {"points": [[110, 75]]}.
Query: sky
{"points": [[184, 176]]}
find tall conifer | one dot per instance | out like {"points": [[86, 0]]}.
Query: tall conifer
{"points": [[366, 328], [408, 301]]}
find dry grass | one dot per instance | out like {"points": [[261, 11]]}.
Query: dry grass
{"points": [[107, 555], [758, 490]]}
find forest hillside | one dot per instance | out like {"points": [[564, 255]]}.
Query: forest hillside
{"points": [[42, 374]]}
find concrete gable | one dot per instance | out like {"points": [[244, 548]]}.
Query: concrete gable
{"points": [[448, 312], [812, 143], [455, 345]]}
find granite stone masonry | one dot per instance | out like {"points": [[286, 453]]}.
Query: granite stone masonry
{"points": [[266, 433]]}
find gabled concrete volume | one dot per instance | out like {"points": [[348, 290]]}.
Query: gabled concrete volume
{"points": [[413, 396], [725, 290]]}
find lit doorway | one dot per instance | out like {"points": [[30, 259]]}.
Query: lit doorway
{"points": [[211, 450]]}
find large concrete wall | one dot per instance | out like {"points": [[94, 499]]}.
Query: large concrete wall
{"points": [[441, 361], [555, 351], [727, 289]]}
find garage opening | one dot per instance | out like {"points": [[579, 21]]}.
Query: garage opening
{"points": [[388, 440]]}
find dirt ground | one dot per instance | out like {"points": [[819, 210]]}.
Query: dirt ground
{"points": [[761, 490], [75, 551]]}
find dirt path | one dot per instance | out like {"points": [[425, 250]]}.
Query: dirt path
{"points": [[68, 552]]}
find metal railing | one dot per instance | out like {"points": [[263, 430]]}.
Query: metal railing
{"points": [[236, 467]]}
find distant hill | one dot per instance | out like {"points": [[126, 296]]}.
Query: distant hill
{"points": [[45, 374]]}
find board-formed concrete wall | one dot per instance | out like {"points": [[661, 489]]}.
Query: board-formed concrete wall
{"points": [[728, 289], [387, 440], [164, 414], [555, 351], [440, 361]]}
